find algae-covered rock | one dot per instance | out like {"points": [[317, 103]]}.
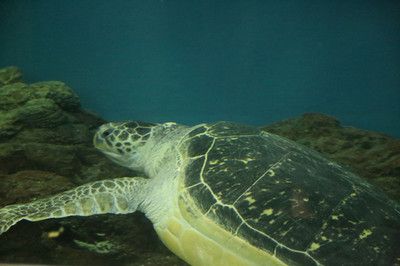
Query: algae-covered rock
{"points": [[9, 75], [46, 147], [23, 186], [12, 159], [41, 113], [14, 95], [9, 125], [66, 134], [40, 105], [57, 91], [42, 127]]}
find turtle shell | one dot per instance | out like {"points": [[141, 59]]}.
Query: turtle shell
{"points": [[287, 199]]}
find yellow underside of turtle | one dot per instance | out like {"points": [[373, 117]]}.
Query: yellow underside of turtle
{"points": [[201, 242]]}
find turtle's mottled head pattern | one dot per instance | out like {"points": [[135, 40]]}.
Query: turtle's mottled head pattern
{"points": [[122, 142]]}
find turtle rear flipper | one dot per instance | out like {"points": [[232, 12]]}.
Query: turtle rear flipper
{"points": [[108, 196]]}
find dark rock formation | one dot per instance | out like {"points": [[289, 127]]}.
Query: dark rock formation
{"points": [[23, 186], [45, 148], [10, 75]]}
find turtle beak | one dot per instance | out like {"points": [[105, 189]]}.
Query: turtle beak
{"points": [[98, 142], [100, 139], [103, 145]]}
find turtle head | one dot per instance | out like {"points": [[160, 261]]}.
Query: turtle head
{"points": [[123, 142]]}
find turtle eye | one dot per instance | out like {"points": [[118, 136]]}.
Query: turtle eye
{"points": [[106, 133]]}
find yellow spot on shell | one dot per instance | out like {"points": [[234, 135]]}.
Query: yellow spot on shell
{"points": [[267, 211], [246, 160], [335, 217], [271, 172], [324, 238], [305, 199], [314, 246], [324, 225], [365, 233], [250, 199]]}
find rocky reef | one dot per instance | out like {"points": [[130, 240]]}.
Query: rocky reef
{"points": [[46, 147]]}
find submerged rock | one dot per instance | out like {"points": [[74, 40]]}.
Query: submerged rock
{"points": [[9, 75], [57, 91], [41, 112], [46, 147], [8, 125], [13, 96], [24, 185], [16, 94], [42, 104]]}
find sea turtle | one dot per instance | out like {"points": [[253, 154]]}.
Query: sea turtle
{"points": [[231, 194]]}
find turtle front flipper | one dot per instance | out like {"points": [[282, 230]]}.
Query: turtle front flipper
{"points": [[120, 195]]}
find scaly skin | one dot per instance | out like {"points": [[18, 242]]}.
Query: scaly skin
{"points": [[119, 196]]}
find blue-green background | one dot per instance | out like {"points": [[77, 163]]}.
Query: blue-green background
{"points": [[193, 61]]}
